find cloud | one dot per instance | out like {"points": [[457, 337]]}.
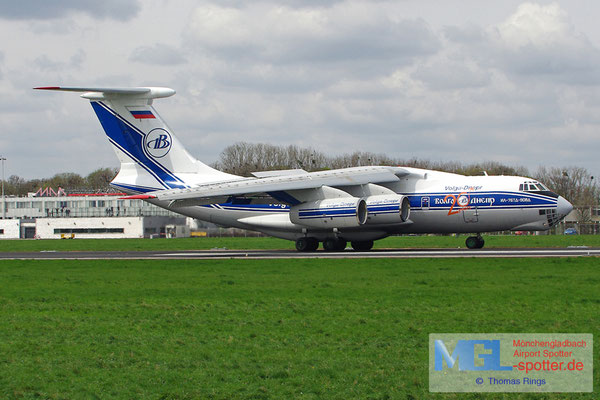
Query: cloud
{"points": [[535, 43], [287, 3], [354, 76], [445, 73], [341, 75], [45, 63], [541, 41], [159, 54], [43, 10], [537, 25], [281, 49], [348, 32]]}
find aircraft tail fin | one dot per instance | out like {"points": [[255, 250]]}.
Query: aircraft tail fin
{"points": [[151, 156]]}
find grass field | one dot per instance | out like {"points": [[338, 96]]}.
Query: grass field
{"points": [[277, 329], [241, 243]]}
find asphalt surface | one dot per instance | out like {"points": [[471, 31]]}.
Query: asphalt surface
{"points": [[271, 254]]}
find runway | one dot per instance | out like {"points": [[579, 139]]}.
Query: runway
{"points": [[215, 254]]}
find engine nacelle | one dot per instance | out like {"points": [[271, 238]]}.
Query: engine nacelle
{"points": [[387, 209], [344, 212]]}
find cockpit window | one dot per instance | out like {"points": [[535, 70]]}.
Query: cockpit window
{"points": [[532, 186]]}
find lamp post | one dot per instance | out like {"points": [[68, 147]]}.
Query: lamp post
{"points": [[3, 198]]}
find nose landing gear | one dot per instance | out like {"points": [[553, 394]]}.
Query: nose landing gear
{"points": [[475, 242]]}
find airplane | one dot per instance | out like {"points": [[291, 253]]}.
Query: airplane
{"points": [[333, 207]]}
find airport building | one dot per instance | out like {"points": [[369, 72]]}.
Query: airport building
{"points": [[88, 216], [583, 220]]}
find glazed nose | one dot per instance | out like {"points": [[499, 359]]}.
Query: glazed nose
{"points": [[563, 207]]}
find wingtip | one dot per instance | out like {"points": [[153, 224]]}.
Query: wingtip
{"points": [[47, 88]]}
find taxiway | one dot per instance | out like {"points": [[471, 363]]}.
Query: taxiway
{"points": [[273, 254]]}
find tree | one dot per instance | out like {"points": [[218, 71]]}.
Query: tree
{"points": [[100, 179], [97, 181], [66, 180], [574, 184], [244, 158]]}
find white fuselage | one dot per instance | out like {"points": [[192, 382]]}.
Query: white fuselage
{"points": [[439, 203]]}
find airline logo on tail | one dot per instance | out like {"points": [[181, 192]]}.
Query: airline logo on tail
{"points": [[157, 143]]}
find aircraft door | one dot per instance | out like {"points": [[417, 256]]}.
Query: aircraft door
{"points": [[471, 215]]}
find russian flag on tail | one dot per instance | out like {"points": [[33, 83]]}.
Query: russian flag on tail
{"points": [[142, 114]]}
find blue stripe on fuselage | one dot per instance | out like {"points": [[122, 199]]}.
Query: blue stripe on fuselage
{"points": [[486, 200], [502, 200]]}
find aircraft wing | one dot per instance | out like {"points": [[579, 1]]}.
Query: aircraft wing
{"points": [[281, 187]]}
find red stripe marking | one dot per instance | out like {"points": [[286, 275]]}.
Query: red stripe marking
{"points": [[138, 197], [95, 194]]}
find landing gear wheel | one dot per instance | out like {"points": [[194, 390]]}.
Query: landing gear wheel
{"points": [[365, 245], [333, 244], [480, 242], [475, 242], [307, 244], [471, 242]]}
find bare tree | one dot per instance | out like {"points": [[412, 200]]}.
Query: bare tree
{"points": [[574, 184], [244, 158]]}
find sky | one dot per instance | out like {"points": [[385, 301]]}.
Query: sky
{"points": [[470, 81]]}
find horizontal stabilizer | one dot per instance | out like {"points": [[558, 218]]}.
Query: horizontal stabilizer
{"points": [[94, 93]]}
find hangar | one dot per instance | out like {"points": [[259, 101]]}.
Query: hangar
{"points": [[88, 215]]}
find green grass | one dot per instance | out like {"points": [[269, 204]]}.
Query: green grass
{"points": [[277, 329], [241, 243], [77, 244], [491, 241]]}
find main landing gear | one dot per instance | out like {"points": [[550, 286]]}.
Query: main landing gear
{"points": [[306, 244], [475, 242], [334, 244]]}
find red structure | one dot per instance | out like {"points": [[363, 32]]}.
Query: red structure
{"points": [[49, 192]]}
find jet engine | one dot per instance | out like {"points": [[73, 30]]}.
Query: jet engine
{"points": [[344, 212], [387, 209]]}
